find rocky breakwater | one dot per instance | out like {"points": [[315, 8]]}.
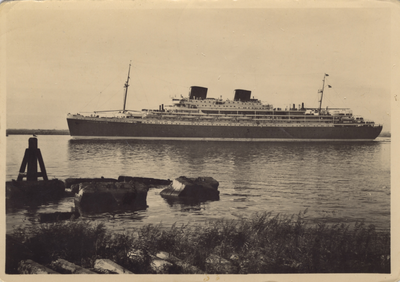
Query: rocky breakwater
{"points": [[73, 183], [34, 191], [99, 197], [192, 189]]}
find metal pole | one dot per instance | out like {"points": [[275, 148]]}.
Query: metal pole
{"points": [[126, 88], [322, 92]]}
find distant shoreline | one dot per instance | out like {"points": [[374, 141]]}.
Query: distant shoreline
{"points": [[66, 132], [37, 131]]}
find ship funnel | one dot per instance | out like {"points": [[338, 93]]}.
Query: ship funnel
{"points": [[198, 92], [242, 95]]}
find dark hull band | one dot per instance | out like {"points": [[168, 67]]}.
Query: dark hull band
{"points": [[99, 128]]}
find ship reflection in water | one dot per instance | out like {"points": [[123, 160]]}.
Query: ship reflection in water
{"points": [[339, 182]]}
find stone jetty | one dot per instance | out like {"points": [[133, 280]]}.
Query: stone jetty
{"points": [[34, 191], [73, 183], [99, 195], [150, 182]]}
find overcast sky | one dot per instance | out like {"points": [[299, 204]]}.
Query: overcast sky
{"points": [[68, 57]]}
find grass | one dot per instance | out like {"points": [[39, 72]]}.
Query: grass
{"points": [[261, 244]]}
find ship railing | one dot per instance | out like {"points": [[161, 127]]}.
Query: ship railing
{"points": [[244, 118], [318, 119]]}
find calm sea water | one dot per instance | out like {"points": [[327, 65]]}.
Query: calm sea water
{"points": [[336, 181]]}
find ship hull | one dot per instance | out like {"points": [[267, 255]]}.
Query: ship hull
{"points": [[109, 128]]}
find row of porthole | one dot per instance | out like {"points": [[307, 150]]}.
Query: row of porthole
{"points": [[236, 124], [227, 124]]}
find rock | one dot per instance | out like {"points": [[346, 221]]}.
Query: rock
{"points": [[150, 182], [102, 271], [57, 216], [201, 188], [30, 267], [157, 264], [187, 268], [161, 266], [139, 257], [75, 188], [34, 191], [136, 255], [108, 265], [218, 264], [70, 181], [64, 266], [234, 257], [99, 197]]}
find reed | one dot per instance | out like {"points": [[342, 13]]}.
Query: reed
{"points": [[262, 244]]}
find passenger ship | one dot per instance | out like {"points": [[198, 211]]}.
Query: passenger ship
{"points": [[198, 117]]}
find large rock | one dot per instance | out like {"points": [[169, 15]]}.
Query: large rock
{"points": [[34, 191], [99, 197], [31, 267], [161, 266], [108, 265], [217, 264], [201, 188], [186, 268], [63, 266], [157, 265]]}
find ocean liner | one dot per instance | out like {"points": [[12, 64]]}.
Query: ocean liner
{"points": [[244, 118]]}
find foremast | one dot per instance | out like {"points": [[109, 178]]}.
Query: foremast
{"points": [[126, 89], [322, 92]]}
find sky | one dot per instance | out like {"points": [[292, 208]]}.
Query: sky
{"points": [[68, 57]]}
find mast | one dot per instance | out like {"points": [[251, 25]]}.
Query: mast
{"points": [[322, 91], [126, 88]]}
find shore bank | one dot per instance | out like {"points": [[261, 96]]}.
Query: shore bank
{"points": [[261, 244]]}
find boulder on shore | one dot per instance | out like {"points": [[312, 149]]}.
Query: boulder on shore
{"points": [[108, 265], [217, 264], [99, 197], [201, 188], [31, 267], [63, 266], [186, 268]]}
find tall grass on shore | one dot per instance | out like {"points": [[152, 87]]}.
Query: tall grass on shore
{"points": [[261, 244]]}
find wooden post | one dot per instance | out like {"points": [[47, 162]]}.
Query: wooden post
{"points": [[31, 158]]}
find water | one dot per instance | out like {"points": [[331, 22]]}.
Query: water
{"points": [[338, 182]]}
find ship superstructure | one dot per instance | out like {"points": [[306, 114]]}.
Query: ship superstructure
{"points": [[243, 118]]}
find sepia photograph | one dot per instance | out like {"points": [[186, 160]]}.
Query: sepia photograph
{"points": [[199, 140]]}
